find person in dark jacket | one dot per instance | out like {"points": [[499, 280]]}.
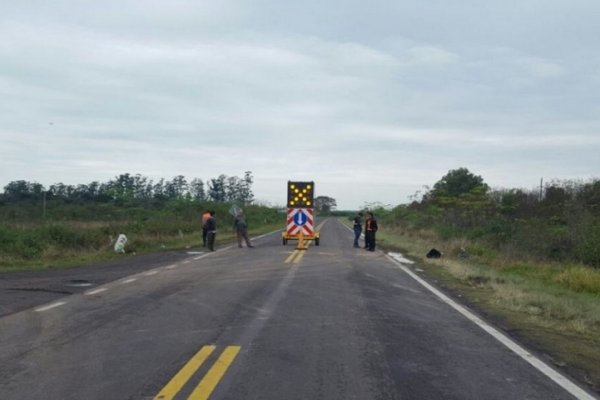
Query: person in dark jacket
{"points": [[211, 231], [241, 228], [357, 226], [370, 230]]}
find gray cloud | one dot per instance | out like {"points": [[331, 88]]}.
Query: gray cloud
{"points": [[372, 101]]}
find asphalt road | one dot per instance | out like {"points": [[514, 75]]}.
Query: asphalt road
{"points": [[330, 322]]}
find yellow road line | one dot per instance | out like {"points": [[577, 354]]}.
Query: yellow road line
{"points": [[302, 252], [215, 374], [291, 256], [297, 255], [297, 260], [184, 374]]}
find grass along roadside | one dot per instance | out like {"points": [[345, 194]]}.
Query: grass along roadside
{"points": [[138, 243], [554, 308]]}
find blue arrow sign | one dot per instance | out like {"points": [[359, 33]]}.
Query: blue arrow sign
{"points": [[300, 218]]}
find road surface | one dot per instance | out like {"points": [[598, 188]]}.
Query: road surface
{"points": [[330, 322]]}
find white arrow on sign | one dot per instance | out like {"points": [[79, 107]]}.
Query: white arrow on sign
{"points": [[300, 218]]}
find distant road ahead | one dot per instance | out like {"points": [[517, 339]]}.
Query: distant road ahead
{"points": [[331, 322]]}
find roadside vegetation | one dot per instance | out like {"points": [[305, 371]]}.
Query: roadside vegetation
{"points": [[530, 259], [73, 225]]}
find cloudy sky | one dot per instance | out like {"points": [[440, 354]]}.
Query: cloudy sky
{"points": [[372, 100]]}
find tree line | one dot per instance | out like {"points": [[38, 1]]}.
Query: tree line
{"points": [[128, 189], [559, 221]]}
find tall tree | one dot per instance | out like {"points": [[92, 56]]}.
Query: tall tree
{"points": [[123, 187], [246, 194], [197, 190], [458, 182], [232, 189], [59, 190], [18, 190], [140, 187], [216, 189], [176, 188], [159, 189], [325, 204]]}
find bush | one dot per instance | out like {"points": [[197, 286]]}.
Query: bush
{"points": [[25, 245], [563, 224], [85, 228], [480, 251], [60, 235], [588, 250], [580, 279]]}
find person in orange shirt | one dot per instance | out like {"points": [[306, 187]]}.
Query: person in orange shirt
{"points": [[205, 217]]}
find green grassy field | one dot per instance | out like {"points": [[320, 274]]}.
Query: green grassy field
{"points": [[73, 235]]}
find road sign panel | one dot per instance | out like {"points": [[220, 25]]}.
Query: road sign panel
{"points": [[300, 220], [300, 194]]}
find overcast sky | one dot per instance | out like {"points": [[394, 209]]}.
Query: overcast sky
{"points": [[371, 100]]}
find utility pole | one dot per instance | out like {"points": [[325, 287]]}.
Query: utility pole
{"points": [[541, 188], [44, 206]]}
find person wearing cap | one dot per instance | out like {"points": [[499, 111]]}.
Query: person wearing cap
{"points": [[241, 228]]}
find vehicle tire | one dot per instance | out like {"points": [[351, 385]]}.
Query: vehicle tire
{"points": [[316, 241], [284, 242]]}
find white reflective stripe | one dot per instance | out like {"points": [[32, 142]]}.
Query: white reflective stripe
{"points": [[95, 291], [51, 306], [538, 364]]}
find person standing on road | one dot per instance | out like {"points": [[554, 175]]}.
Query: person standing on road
{"points": [[370, 229], [241, 228], [205, 217], [211, 231], [357, 225]]}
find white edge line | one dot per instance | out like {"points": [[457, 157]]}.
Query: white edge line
{"points": [[172, 266], [95, 291], [50, 306], [541, 366], [266, 234], [148, 273], [231, 246]]}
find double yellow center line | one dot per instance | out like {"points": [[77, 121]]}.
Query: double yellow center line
{"points": [[209, 382], [297, 255]]}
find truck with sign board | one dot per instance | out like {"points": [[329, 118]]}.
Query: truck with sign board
{"points": [[300, 213]]}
